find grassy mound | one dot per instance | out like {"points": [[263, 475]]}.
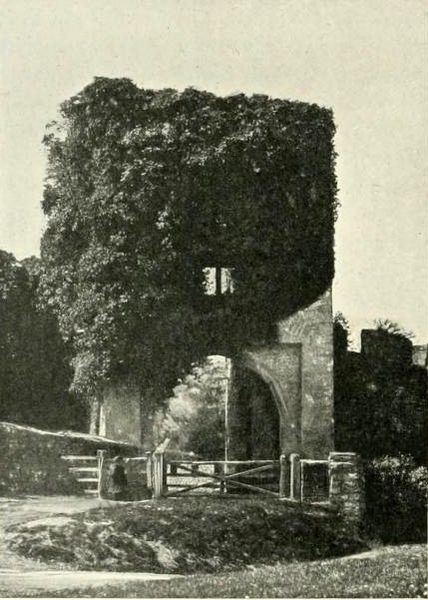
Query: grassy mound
{"points": [[395, 572], [185, 536]]}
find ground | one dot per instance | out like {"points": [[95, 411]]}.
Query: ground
{"points": [[29, 508], [383, 572], [20, 575]]}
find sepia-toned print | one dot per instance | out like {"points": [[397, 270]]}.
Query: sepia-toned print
{"points": [[213, 307]]}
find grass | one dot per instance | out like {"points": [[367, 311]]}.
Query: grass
{"points": [[187, 535], [391, 572]]}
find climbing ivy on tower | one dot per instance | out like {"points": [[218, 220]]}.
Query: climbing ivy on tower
{"points": [[147, 188]]}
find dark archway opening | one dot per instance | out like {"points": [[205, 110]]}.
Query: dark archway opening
{"points": [[254, 418]]}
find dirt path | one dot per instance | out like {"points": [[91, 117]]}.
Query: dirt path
{"points": [[48, 581], [19, 574], [30, 508]]}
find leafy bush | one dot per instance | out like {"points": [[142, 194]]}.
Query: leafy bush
{"points": [[396, 491]]}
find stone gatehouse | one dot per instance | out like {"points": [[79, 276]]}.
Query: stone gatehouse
{"points": [[296, 370]]}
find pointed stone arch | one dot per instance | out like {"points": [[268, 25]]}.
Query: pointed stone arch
{"points": [[297, 367]]}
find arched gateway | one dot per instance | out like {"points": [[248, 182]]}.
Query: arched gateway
{"points": [[299, 371], [298, 368]]}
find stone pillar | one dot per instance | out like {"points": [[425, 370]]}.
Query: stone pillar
{"points": [[346, 491], [120, 416], [312, 329]]}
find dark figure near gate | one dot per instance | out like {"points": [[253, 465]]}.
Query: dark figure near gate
{"points": [[118, 479]]}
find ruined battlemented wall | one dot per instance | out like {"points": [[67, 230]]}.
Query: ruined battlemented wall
{"points": [[383, 388]]}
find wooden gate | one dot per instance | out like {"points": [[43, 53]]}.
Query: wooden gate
{"points": [[289, 478], [216, 477], [222, 477], [87, 470]]}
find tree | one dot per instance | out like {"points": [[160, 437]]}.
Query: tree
{"points": [[34, 366], [145, 189], [194, 418]]}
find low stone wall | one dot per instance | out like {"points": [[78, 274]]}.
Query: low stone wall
{"points": [[338, 481], [31, 459]]}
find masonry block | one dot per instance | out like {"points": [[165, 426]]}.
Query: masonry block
{"points": [[346, 491], [299, 370]]}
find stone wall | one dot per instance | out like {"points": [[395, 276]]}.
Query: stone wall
{"points": [[299, 371], [347, 486], [120, 413], [313, 328], [280, 367], [31, 459]]}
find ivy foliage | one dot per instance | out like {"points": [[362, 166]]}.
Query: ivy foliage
{"points": [[146, 188]]}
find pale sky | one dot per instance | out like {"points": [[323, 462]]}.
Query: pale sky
{"points": [[366, 59]]}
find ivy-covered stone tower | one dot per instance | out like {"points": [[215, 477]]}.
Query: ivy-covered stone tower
{"points": [[151, 191]]}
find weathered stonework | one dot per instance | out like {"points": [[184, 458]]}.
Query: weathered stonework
{"points": [[420, 355], [299, 371], [31, 459], [120, 413], [347, 485]]}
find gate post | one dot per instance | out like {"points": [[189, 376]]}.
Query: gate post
{"points": [[157, 474], [282, 475], [164, 472], [295, 490], [149, 471], [100, 462], [160, 470]]}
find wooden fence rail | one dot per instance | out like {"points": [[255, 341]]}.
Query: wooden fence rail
{"points": [[336, 482], [224, 476], [87, 469], [296, 479]]}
